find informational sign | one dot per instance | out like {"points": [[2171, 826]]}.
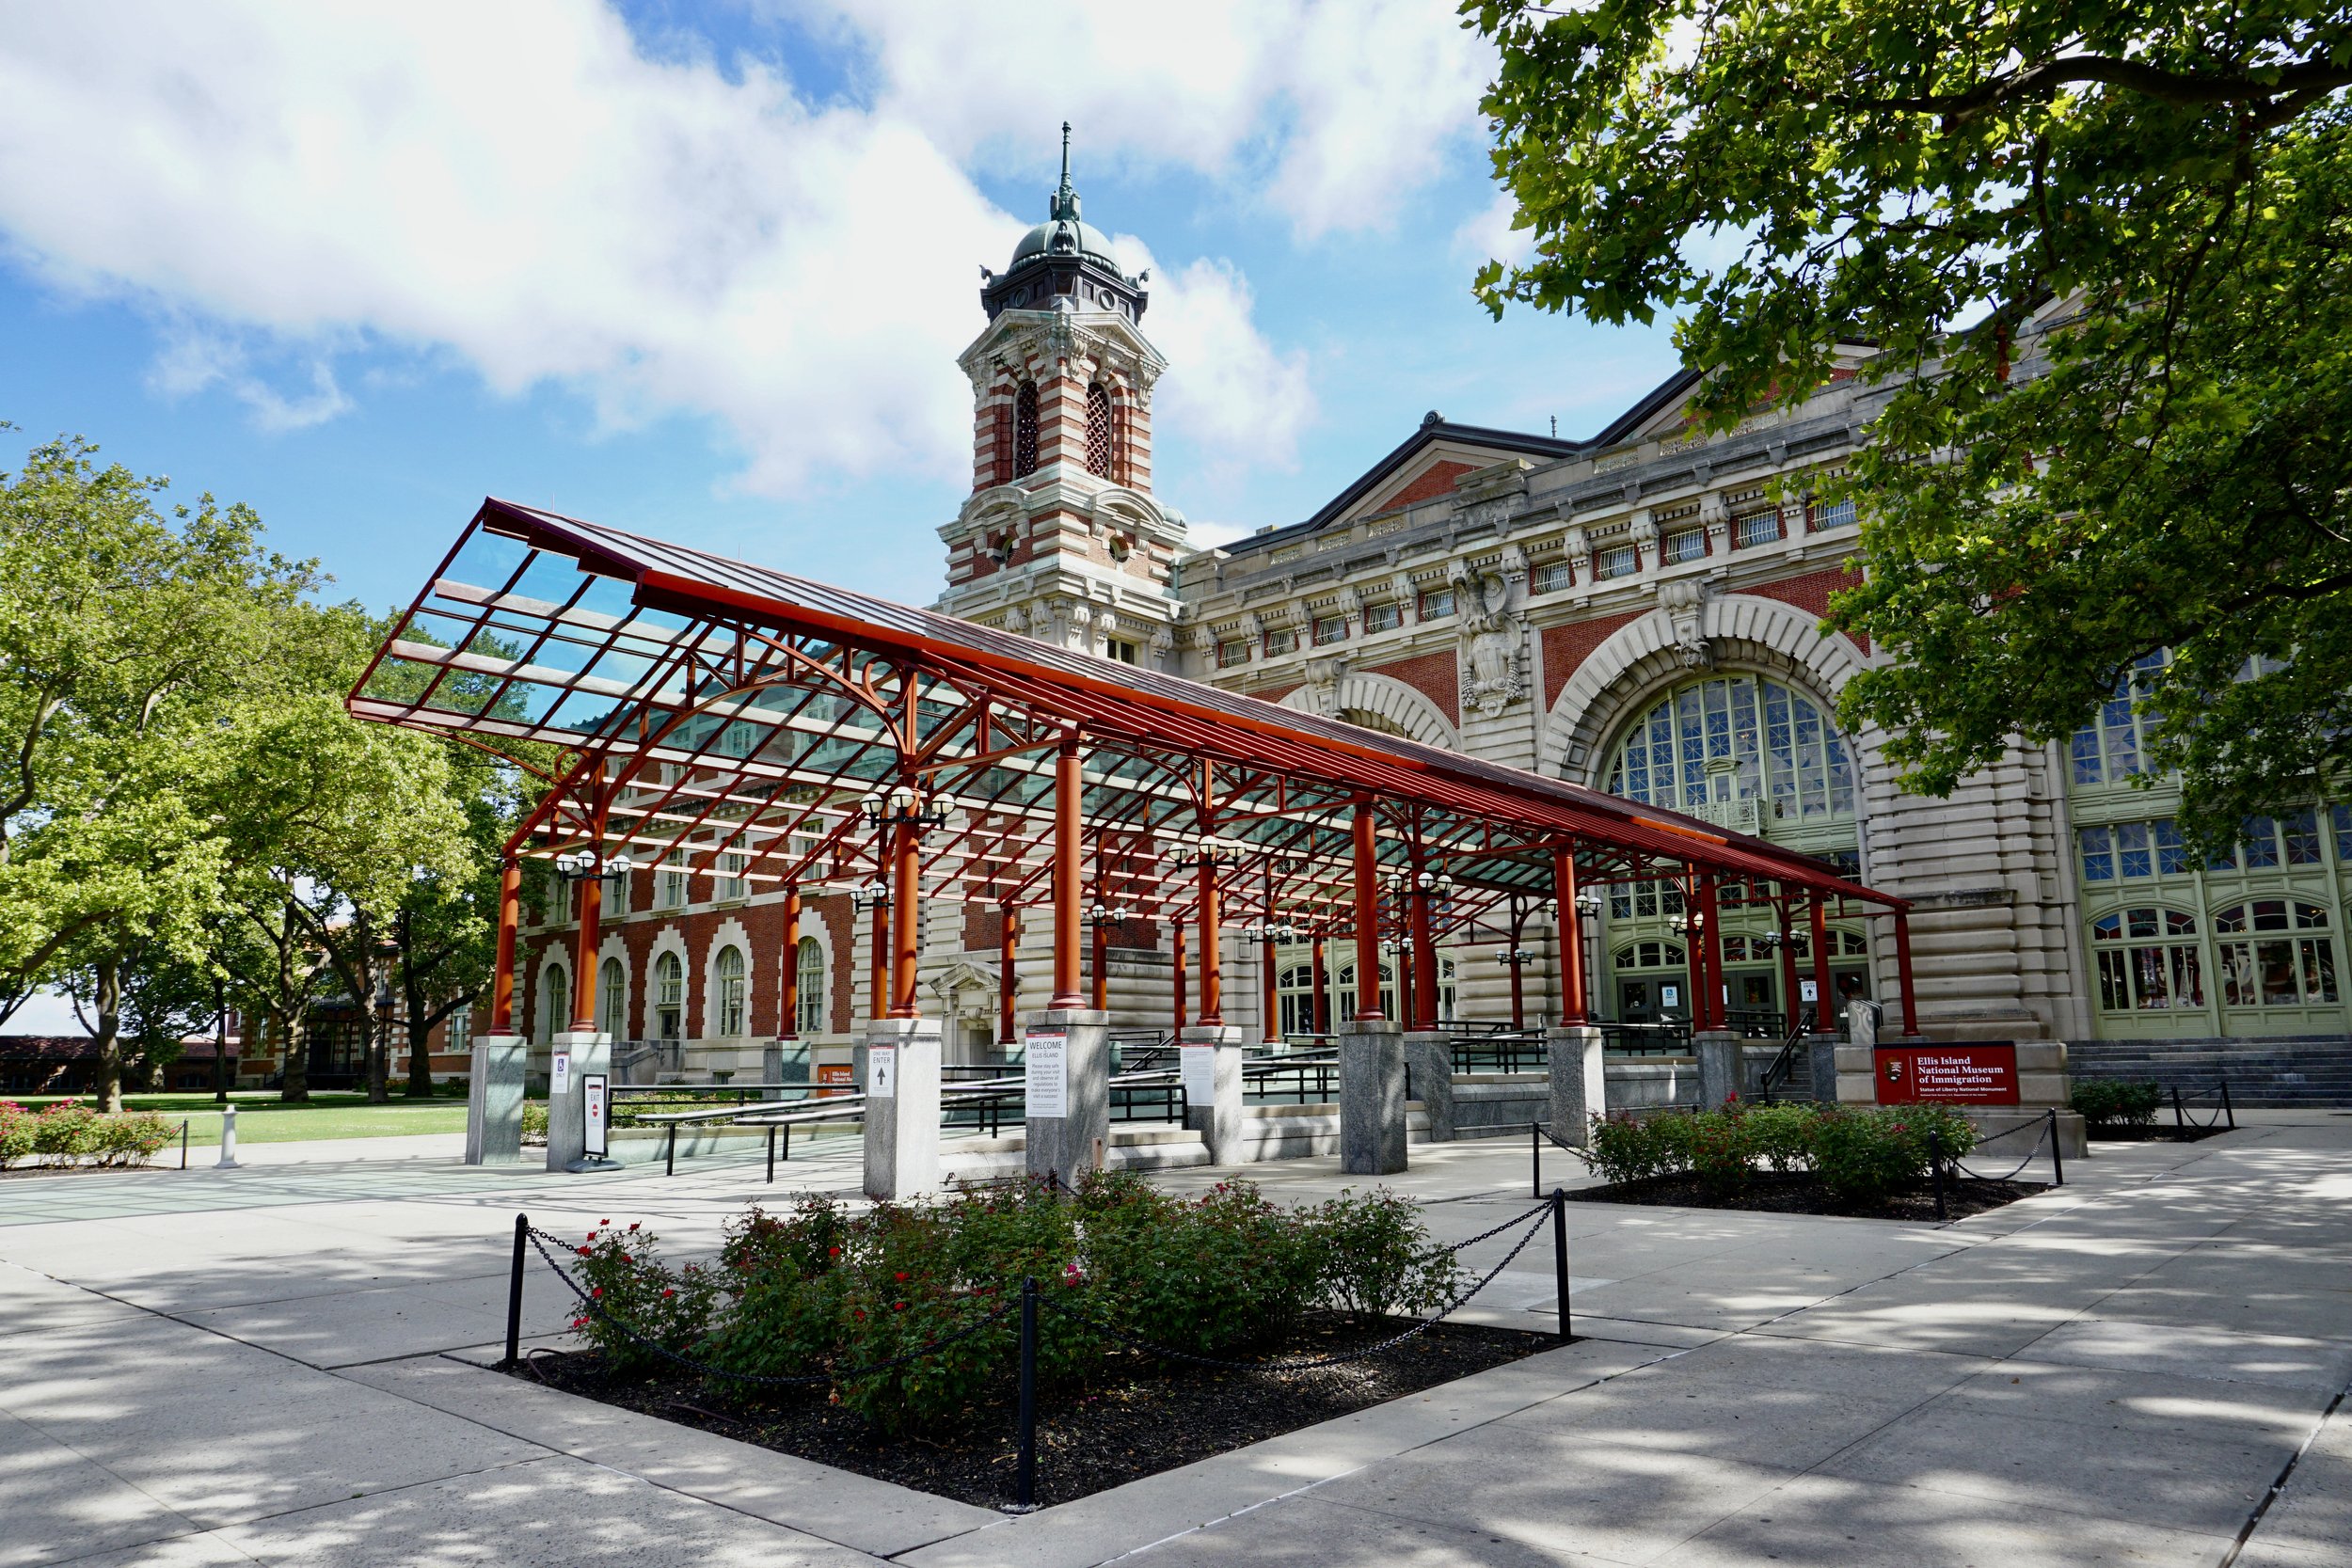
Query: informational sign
{"points": [[591, 1098], [1196, 1066], [834, 1078], [1670, 996], [881, 1072], [1045, 1065], [560, 1073], [1808, 990], [1984, 1075]]}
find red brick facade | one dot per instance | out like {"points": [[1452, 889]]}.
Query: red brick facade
{"points": [[1436, 676], [1437, 480], [1566, 647], [1810, 593]]}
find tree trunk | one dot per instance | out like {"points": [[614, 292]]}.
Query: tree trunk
{"points": [[293, 1044], [220, 1044], [419, 1048], [107, 1091]]}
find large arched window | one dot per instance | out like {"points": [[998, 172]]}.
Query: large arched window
{"points": [[1025, 430], [1737, 738], [1344, 989], [669, 997], [727, 982], [1294, 996], [2270, 955], [809, 1018], [2147, 958], [613, 998], [556, 991], [1099, 430]]}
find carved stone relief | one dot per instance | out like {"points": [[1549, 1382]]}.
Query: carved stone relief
{"points": [[1684, 600]]}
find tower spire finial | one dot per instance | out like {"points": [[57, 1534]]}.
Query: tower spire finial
{"points": [[1065, 202], [1065, 154]]}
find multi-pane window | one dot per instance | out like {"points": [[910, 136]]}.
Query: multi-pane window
{"points": [[1736, 738], [1122, 650], [2147, 958], [1436, 602], [1284, 641], [1383, 616], [670, 886], [612, 998], [1830, 514], [727, 978], [1025, 430], [2112, 746], [1617, 561], [460, 1038], [729, 882], [1231, 651], [669, 997], [1099, 430], [1551, 577], [1652, 955], [555, 985], [1683, 544], [1344, 992], [809, 1010], [2299, 832], [1329, 629], [2342, 817], [1641, 900], [1294, 997], [2289, 969], [1751, 529]]}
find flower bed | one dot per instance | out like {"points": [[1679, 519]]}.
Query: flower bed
{"points": [[1791, 1158], [71, 1134], [903, 1322]]}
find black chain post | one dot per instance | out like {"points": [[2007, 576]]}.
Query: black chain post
{"points": [[1935, 1169], [1560, 1255], [184, 1143], [2227, 1109], [1025, 1484], [669, 1154], [515, 1292], [2058, 1151], [1535, 1158], [2180, 1117], [771, 1156]]}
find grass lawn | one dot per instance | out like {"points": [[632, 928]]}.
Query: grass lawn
{"points": [[264, 1118]]}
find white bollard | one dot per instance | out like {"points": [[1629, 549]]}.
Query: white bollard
{"points": [[228, 1159]]}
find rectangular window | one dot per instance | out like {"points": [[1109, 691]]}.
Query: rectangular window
{"points": [[1330, 629], [1687, 543], [2343, 816], [2086, 750], [1436, 602], [2261, 842], [1551, 577], [2225, 860], [1382, 616], [2098, 849], [1232, 651], [1620, 903], [1122, 650], [1837, 515], [671, 894], [2301, 831], [1617, 561], [2131, 850], [730, 882], [1751, 529], [1281, 641], [2172, 854]]}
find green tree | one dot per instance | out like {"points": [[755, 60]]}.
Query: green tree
{"points": [[121, 631], [2094, 256]]}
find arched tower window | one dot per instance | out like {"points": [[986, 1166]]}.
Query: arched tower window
{"points": [[1099, 430], [1025, 430], [811, 959]]}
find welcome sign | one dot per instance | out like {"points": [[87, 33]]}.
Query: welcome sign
{"points": [[1980, 1074]]}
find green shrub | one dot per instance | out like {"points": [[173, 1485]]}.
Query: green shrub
{"points": [[628, 1285], [535, 1122], [67, 1129], [1717, 1146], [1627, 1148], [2118, 1102], [16, 1133], [133, 1139], [1868, 1156], [1375, 1256], [1211, 1275], [1782, 1136]]}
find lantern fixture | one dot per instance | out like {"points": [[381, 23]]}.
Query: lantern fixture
{"points": [[580, 865], [901, 807]]}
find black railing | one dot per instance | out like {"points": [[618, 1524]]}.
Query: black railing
{"points": [[1502, 1051], [1665, 1037], [1783, 1067], [1302, 1078], [1754, 1023]]}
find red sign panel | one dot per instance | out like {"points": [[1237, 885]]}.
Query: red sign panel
{"points": [[837, 1077], [1948, 1074]]}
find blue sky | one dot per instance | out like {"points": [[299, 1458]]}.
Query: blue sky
{"points": [[703, 271]]}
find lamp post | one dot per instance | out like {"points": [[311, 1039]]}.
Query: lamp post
{"points": [[899, 817], [1205, 855], [873, 898], [1099, 917], [1266, 934]]}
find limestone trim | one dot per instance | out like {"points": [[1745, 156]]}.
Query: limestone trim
{"points": [[1646, 655], [1414, 715], [672, 940]]}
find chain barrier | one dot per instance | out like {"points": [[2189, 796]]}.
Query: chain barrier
{"points": [[2044, 1128], [540, 1240], [1533, 1221]]}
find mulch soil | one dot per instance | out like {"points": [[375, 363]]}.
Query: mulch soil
{"points": [[2102, 1132], [14, 1172], [1139, 1418], [1803, 1193]]}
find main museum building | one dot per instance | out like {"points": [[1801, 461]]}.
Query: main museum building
{"points": [[1639, 611]]}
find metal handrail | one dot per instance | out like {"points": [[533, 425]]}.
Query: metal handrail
{"points": [[1783, 1063]]}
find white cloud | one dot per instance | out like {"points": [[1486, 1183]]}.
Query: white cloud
{"points": [[522, 187], [1330, 111], [1489, 236]]}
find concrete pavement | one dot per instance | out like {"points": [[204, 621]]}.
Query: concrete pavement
{"points": [[282, 1365]]}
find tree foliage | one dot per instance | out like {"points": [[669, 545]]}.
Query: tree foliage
{"points": [[2094, 256]]}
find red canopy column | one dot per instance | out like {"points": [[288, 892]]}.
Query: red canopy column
{"points": [[905, 899], [1212, 947], [1423, 1012], [788, 1026], [585, 953], [1367, 893], [1007, 947], [1322, 988], [1707, 1012], [878, 952], [1176, 981], [1573, 1008], [1067, 785], [509, 921]]}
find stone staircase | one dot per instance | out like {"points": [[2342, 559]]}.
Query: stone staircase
{"points": [[2279, 1073]]}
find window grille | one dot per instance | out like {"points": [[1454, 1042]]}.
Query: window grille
{"points": [[1551, 577], [1232, 651], [1830, 514], [1025, 430], [669, 990], [1281, 641], [1099, 430], [1437, 602], [1383, 616], [613, 998], [730, 882], [1751, 528], [1617, 561], [671, 893], [1688, 544], [1330, 628]]}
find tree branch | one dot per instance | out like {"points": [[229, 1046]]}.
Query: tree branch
{"points": [[2292, 83]]}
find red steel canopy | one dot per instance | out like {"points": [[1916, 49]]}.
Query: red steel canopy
{"points": [[733, 721]]}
